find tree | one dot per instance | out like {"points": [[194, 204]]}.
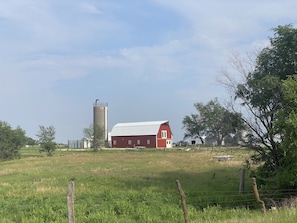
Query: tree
{"points": [[287, 126], [262, 93], [212, 120], [31, 142], [46, 139], [11, 141], [260, 97], [194, 127], [98, 139], [89, 132], [96, 133]]}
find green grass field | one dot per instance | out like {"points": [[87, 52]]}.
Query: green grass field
{"points": [[136, 186]]}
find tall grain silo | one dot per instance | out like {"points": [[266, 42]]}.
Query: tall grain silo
{"points": [[100, 121]]}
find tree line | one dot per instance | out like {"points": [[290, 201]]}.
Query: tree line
{"points": [[12, 140]]}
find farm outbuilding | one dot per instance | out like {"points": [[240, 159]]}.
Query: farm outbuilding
{"points": [[153, 134]]}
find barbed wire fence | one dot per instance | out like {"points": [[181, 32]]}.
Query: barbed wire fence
{"points": [[272, 199], [231, 199]]}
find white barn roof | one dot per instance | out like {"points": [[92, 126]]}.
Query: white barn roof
{"points": [[137, 128]]}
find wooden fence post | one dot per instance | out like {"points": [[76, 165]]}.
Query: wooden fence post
{"points": [[263, 208], [242, 181], [70, 202], [183, 200]]}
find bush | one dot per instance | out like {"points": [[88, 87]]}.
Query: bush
{"points": [[11, 140]]}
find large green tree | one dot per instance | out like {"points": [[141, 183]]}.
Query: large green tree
{"points": [[213, 121], [261, 99], [11, 141], [46, 138]]}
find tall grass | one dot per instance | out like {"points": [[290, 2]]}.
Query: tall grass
{"points": [[121, 186]]}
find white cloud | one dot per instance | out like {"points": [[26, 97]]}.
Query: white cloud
{"points": [[233, 21], [89, 8], [22, 10], [152, 62]]}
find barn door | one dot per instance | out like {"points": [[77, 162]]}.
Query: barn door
{"points": [[168, 143]]}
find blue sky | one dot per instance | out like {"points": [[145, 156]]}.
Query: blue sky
{"points": [[148, 59]]}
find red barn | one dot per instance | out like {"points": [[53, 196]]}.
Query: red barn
{"points": [[154, 134]]}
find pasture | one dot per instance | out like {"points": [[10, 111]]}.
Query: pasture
{"points": [[130, 186]]}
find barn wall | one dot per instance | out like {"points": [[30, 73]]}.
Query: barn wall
{"points": [[161, 142], [123, 141]]}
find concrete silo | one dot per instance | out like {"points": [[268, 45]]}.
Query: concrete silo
{"points": [[100, 121]]}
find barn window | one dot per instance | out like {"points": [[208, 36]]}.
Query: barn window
{"points": [[129, 141], [114, 142], [148, 141], [138, 141], [164, 134]]}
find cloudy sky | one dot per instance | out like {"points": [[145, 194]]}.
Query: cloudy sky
{"points": [[148, 59]]}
